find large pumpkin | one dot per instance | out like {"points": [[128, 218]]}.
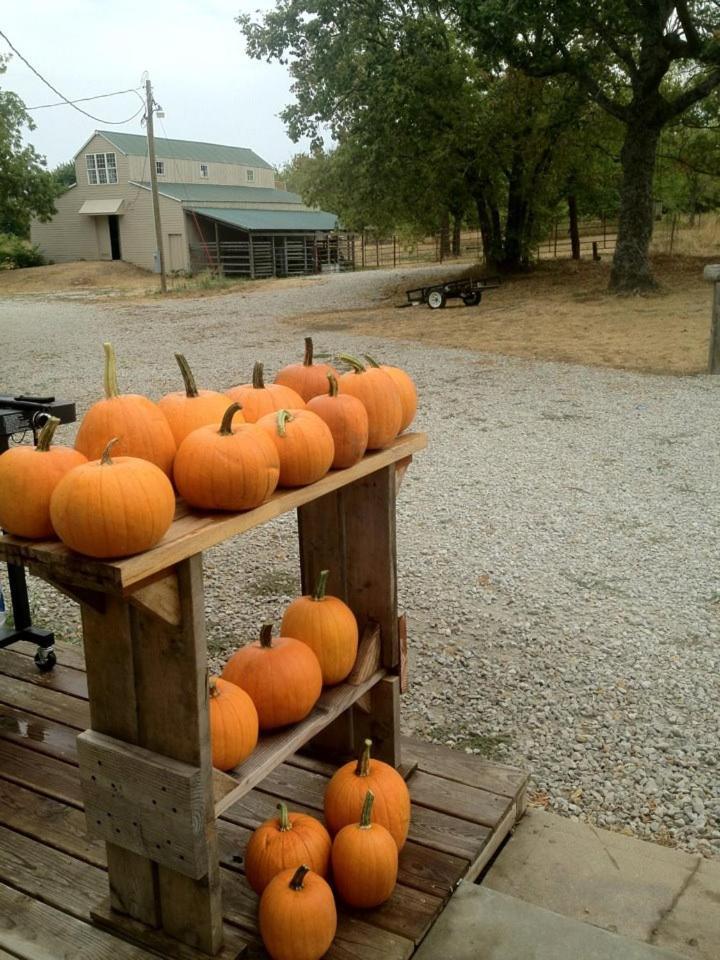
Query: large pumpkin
{"points": [[256, 399], [347, 420], [112, 507], [230, 467], [406, 386], [28, 476], [365, 861], [188, 409], [380, 397], [233, 724], [297, 916], [139, 425], [306, 378], [345, 795], [328, 626], [304, 444], [285, 841], [282, 677]]}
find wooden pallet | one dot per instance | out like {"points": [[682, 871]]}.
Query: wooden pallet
{"points": [[52, 874]]}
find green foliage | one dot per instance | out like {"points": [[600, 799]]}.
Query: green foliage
{"points": [[64, 174], [15, 252]]}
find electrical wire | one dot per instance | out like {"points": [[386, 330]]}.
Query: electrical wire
{"points": [[100, 96], [70, 103]]}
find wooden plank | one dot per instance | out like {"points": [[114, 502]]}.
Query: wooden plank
{"points": [[42, 774], [37, 734], [400, 471], [92, 598], [459, 800], [407, 913], [368, 656], [499, 834], [160, 599], [68, 654], [466, 768], [403, 651], [61, 679], [44, 702], [382, 723]]}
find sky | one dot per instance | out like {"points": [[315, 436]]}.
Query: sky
{"points": [[193, 51]]}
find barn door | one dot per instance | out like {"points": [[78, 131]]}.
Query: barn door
{"points": [[176, 253]]}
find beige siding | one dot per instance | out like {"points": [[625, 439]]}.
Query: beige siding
{"points": [[137, 228], [188, 171], [67, 236]]}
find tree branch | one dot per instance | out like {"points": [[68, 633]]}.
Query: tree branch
{"points": [[692, 95], [694, 44]]}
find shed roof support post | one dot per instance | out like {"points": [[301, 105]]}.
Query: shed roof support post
{"points": [[218, 261], [252, 258]]}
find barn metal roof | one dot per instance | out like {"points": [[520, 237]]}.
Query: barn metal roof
{"points": [[258, 220], [135, 145], [214, 192]]}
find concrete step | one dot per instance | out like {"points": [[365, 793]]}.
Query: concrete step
{"points": [[482, 924]]}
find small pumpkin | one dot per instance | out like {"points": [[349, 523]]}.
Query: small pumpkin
{"points": [[306, 378], [304, 444], [230, 467], [282, 677], [408, 391], [112, 507], [380, 397], [328, 626], [285, 841], [345, 795], [139, 425], [365, 861], [28, 476], [188, 409], [233, 724], [256, 399], [297, 916], [347, 420]]}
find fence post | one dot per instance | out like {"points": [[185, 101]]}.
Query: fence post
{"points": [[377, 251], [555, 248], [252, 258], [362, 248], [218, 261], [596, 255], [712, 274], [394, 250]]}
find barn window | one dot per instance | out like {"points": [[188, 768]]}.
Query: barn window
{"points": [[160, 168], [203, 170], [101, 168], [250, 176]]}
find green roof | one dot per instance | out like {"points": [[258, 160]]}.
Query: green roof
{"points": [[270, 219], [222, 192], [135, 145]]}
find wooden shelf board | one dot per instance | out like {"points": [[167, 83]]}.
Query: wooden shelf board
{"points": [[192, 531]]}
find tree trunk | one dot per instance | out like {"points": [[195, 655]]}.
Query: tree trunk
{"points": [[445, 236], [574, 230], [457, 228], [631, 265], [490, 230]]}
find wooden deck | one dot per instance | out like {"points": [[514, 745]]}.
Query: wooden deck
{"points": [[52, 874]]}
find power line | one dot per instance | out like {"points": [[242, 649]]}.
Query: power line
{"points": [[70, 103], [100, 96]]}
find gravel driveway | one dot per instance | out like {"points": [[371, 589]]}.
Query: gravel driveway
{"points": [[558, 542]]}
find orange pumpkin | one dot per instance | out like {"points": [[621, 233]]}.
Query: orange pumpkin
{"points": [[28, 476], [380, 397], [408, 391], [285, 841], [257, 400], [112, 508], [328, 626], [304, 444], [282, 677], [297, 916], [233, 467], [138, 424], [365, 861], [347, 420], [233, 724], [306, 378], [188, 409], [345, 795]]}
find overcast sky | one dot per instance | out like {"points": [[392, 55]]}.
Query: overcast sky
{"points": [[194, 52]]}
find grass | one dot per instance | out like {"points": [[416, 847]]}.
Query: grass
{"points": [[490, 746], [275, 583]]}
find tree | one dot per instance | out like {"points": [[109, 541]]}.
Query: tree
{"points": [[64, 174], [644, 62], [27, 189]]}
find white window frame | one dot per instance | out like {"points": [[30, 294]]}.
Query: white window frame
{"points": [[204, 171], [250, 176], [101, 168], [159, 168]]}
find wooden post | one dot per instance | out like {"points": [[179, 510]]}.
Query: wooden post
{"points": [[394, 250], [149, 110], [596, 255], [217, 249], [712, 274], [377, 252], [252, 257]]}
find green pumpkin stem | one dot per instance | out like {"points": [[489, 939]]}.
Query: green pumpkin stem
{"points": [[333, 391], [284, 818], [46, 434], [191, 389], [266, 636], [105, 458], [371, 361], [366, 815], [226, 425], [353, 362], [308, 358], [258, 381], [321, 585], [297, 879], [111, 381], [283, 417], [363, 765]]}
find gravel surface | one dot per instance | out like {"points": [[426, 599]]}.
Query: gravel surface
{"points": [[558, 547]]}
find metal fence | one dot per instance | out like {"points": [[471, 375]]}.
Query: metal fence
{"points": [[284, 255]]}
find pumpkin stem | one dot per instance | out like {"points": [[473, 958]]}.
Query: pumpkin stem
{"points": [[105, 458], [226, 425], [283, 417], [191, 389], [321, 585], [333, 391], [284, 818], [363, 765], [46, 434], [111, 381], [212, 684], [308, 358], [257, 378], [353, 362], [297, 879], [266, 636], [366, 815], [371, 361]]}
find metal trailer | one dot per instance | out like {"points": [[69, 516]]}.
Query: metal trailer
{"points": [[436, 295]]}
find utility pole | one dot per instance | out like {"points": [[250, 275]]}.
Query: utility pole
{"points": [[150, 106]]}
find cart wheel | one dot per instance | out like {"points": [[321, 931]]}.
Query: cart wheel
{"points": [[436, 299], [44, 661], [471, 299]]}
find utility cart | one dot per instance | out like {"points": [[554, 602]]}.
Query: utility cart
{"points": [[436, 295]]}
